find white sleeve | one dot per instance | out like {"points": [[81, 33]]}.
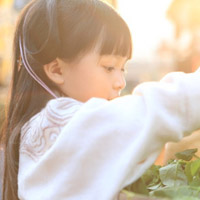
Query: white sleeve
{"points": [[109, 144]]}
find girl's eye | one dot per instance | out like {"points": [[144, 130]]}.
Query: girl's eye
{"points": [[124, 70], [109, 69]]}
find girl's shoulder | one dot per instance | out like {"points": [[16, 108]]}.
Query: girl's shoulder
{"points": [[60, 110], [56, 112], [42, 130]]}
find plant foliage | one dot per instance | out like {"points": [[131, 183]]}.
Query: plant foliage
{"points": [[178, 180]]}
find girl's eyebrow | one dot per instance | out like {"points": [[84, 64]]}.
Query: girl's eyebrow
{"points": [[113, 58]]}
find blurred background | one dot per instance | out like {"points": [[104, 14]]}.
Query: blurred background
{"points": [[166, 37]]}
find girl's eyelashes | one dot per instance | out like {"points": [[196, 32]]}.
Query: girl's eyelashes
{"points": [[124, 70], [109, 68], [112, 68]]}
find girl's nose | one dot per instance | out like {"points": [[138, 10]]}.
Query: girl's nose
{"points": [[120, 82]]}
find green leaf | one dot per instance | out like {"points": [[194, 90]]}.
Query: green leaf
{"points": [[138, 187], [180, 192], [186, 198], [195, 167], [172, 175], [155, 186], [195, 181], [188, 172], [134, 196], [128, 194], [187, 154], [151, 176]]}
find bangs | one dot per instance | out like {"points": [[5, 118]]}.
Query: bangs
{"points": [[115, 36], [94, 26], [115, 41]]}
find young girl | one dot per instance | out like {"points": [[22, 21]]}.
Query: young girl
{"points": [[67, 135]]}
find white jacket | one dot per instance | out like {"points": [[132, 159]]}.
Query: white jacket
{"points": [[90, 151]]}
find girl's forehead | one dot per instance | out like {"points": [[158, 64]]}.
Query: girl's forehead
{"points": [[113, 58], [109, 59]]}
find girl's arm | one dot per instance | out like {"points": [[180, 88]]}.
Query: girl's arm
{"points": [[109, 144]]}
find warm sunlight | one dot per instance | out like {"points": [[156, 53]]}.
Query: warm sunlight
{"points": [[148, 23]]}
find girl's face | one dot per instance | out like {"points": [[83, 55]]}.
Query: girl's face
{"points": [[94, 76]]}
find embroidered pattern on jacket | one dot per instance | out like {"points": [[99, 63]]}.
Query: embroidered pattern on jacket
{"points": [[41, 131]]}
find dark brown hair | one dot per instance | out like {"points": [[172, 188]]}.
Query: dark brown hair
{"points": [[49, 29]]}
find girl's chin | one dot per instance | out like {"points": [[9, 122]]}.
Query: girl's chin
{"points": [[109, 99]]}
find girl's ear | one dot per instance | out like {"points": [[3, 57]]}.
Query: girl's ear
{"points": [[54, 71]]}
